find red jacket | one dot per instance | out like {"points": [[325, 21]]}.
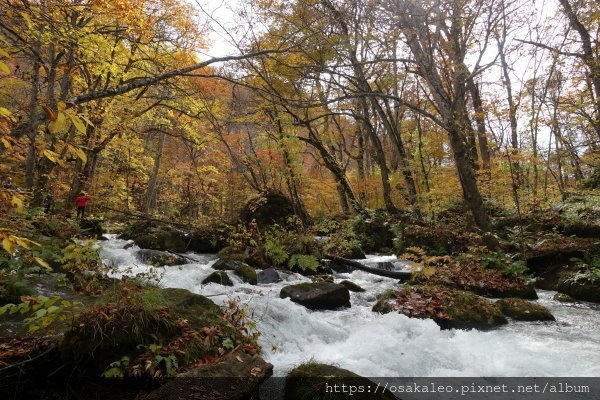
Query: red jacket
{"points": [[82, 201]]}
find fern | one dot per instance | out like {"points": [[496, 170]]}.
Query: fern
{"points": [[304, 262]]}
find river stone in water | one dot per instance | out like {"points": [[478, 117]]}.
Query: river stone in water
{"points": [[246, 273], [269, 275], [307, 381], [160, 258], [318, 295], [236, 376], [227, 265], [219, 277], [523, 310]]}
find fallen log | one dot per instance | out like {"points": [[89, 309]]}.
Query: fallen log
{"points": [[402, 276]]}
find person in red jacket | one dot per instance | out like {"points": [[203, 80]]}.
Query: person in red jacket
{"points": [[81, 202]]}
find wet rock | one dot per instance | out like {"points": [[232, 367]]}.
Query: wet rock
{"points": [[206, 240], [165, 240], [339, 268], [351, 286], [269, 275], [219, 277], [236, 376], [247, 273], [449, 308], [307, 381], [564, 298], [581, 289], [318, 295], [523, 310], [270, 207], [92, 228], [159, 258], [227, 265], [106, 332]]}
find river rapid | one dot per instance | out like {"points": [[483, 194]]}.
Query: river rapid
{"points": [[371, 344]]}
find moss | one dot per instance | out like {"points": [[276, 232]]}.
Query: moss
{"points": [[582, 290], [219, 277], [383, 305], [351, 286], [564, 298], [308, 381], [449, 308], [523, 310], [247, 273], [127, 322], [164, 240]]}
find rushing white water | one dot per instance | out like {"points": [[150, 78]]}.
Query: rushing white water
{"points": [[390, 345]]}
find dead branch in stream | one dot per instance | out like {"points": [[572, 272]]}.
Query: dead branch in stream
{"points": [[402, 276]]}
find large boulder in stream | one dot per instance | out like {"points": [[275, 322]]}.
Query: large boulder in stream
{"points": [[581, 285], [268, 208], [523, 310], [235, 377], [159, 258], [318, 295], [247, 274], [133, 320], [269, 275], [449, 308], [219, 277], [309, 380], [164, 240]]}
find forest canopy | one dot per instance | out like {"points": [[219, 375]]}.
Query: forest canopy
{"points": [[339, 105]]}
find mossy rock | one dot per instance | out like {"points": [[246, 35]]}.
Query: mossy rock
{"points": [[351, 286], [106, 332], [91, 227], [165, 240], [383, 305], [563, 298], [309, 380], [449, 308], [268, 208], [523, 310], [343, 246], [318, 295], [159, 258], [468, 275], [227, 265], [219, 277], [374, 231], [582, 290], [235, 376], [247, 273]]}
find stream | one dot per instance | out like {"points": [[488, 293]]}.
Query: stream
{"points": [[371, 344]]}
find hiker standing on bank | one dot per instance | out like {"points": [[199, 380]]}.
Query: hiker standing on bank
{"points": [[81, 202]]}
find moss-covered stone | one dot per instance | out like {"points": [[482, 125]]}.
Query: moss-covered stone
{"points": [[247, 273], [383, 304], [219, 277], [449, 308], [235, 376], [523, 310], [318, 295], [308, 381], [563, 298], [469, 276], [351, 286], [159, 258], [125, 326], [166, 240], [227, 264], [580, 290]]}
